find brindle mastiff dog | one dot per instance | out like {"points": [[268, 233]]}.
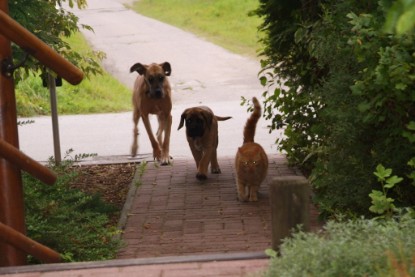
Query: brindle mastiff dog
{"points": [[152, 95], [202, 136]]}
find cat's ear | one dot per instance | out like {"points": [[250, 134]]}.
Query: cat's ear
{"points": [[182, 118], [208, 117]]}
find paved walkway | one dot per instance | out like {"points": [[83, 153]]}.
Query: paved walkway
{"points": [[172, 213], [175, 225]]}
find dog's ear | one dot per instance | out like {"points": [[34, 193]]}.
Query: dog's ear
{"points": [[167, 68], [208, 118], [141, 69], [182, 118]]}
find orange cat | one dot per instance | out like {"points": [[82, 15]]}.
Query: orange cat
{"points": [[251, 162]]}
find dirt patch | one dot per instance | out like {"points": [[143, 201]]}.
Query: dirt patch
{"points": [[111, 182]]}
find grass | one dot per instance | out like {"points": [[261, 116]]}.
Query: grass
{"points": [[98, 94], [223, 22]]}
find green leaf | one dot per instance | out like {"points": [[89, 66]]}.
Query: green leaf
{"points": [[375, 194], [352, 15], [382, 173], [401, 86], [299, 35], [411, 162], [392, 181], [408, 135], [380, 202], [271, 253], [411, 126], [392, 17], [406, 21], [263, 80], [364, 106], [277, 92], [412, 175]]}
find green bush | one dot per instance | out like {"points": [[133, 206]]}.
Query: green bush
{"points": [[353, 248], [67, 220], [343, 90]]}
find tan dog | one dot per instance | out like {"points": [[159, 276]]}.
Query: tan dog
{"points": [[202, 136], [152, 95]]}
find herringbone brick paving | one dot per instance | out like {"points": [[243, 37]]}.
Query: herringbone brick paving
{"points": [[175, 214]]}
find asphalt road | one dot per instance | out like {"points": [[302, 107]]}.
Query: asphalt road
{"points": [[202, 74]]}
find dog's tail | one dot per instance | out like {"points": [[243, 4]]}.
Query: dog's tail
{"points": [[250, 125], [222, 118]]}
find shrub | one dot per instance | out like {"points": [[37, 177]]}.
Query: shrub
{"points": [[352, 248], [342, 89], [67, 220]]}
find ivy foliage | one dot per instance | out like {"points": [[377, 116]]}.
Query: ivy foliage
{"points": [[50, 21], [343, 91]]}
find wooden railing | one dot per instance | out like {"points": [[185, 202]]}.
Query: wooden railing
{"points": [[38, 49], [20, 241], [24, 162], [14, 245]]}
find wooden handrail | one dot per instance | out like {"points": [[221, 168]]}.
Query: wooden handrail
{"points": [[38, 49], [22, 161], [13, 242], [37, 250], [11, 189]]}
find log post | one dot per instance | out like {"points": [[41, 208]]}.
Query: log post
{"points": [[11, 190], [289, 202]]}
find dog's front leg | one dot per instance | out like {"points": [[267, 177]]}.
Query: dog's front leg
{"points": [[197, 156], [214, 165], [204, 164], [166, 141], [134, 147], [154, 143], [163, 137]]}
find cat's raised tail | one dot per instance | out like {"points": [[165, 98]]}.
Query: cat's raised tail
{"points": [[250, 125]]}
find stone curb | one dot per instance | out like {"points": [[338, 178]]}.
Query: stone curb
{"points": [[133, 262]]}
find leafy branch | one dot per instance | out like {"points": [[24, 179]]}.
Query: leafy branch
{"points": [[381, 203]]}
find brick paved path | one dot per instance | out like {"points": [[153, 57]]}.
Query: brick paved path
{"points": [[173, 216], [173, 213]]}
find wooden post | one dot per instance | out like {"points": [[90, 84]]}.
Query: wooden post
{"points": [[289, 201], [11, 191]]}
